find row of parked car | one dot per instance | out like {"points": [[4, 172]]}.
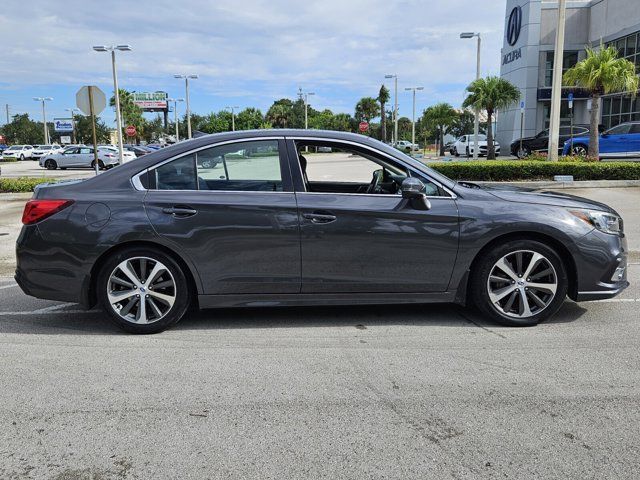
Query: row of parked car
{"points": [[75, 156]]}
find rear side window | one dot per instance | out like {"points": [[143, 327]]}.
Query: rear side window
{"points": [[242, 166], [635, 128]]}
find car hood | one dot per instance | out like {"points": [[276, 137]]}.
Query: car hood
{"points": [[529, 195], [524, 139]]}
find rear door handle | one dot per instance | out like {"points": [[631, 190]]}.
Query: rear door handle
{"points": [[179, 211], [319, 217]]}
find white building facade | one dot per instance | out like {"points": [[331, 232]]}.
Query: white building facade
{"points": [[528, 52]]}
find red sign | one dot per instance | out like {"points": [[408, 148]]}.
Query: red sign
{"points": [[130, 131], [363, 126]]}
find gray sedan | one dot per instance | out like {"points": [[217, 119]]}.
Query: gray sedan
{"points": [[298, 217], [79, 157]]}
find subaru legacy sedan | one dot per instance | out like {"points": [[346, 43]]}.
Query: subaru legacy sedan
{"points": [[295, 217]]}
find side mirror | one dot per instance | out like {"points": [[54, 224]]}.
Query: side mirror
{"points": [[413, 190]]}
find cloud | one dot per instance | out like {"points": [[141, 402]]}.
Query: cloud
{"points": [[249, 51]]}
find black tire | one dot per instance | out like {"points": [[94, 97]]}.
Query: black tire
{"points": [[524, 153], [63, 168], [480, 277], [22, 157], [100, 164], [455, 152], [50, 164], [580, 150], [182, 292], [467, 152]]}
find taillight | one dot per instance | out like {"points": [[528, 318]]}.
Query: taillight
{"points": [[37, 210]]}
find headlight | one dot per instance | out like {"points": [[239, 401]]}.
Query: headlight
{"points": [[603, 221]]}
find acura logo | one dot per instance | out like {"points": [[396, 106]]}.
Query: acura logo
{"points": [[514, 25]]}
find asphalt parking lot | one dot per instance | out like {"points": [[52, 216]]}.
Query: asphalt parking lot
{"points": [[429, 391]]}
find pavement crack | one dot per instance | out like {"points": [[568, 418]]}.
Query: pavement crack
{"points": [[464, 316]]}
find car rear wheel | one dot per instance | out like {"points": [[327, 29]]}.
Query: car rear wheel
{"points": [[519, 283], [455, 152], [100, 164], [50, 164], [143, 290], [523, 152]]}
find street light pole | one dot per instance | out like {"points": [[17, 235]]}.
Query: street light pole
{"points": [[116, 92], [175, 114], [73, 122], [305, 97], [395, 107], [476, 120], [233, 117], [186, 88], [413, 118], [44, 117], [556, 87]]}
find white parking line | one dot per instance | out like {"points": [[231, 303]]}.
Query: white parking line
{"points": [[40, 312], [618, 300], [8, 286]]}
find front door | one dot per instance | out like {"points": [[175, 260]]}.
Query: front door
{"points": [[237, 221], [615, 142], [359, 235]]}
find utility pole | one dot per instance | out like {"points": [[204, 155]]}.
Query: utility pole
{"points": [[186, 89], [44, 117], [395, 107], [556, 87], [305, 97], [233, 117], [413, 118], [6, 106], [476, 120], [175, 114]]}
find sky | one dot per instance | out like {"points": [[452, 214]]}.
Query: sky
{"points": [[247, 53]]}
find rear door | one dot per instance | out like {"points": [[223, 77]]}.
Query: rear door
{"points": [[633, 149], [614, 142], [237, 222]]}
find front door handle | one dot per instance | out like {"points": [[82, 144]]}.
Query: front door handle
{"points": [[179, 211], [319, 217]]}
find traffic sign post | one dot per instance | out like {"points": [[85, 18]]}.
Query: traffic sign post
{"points": [[522, 105], [92, 101], [570, 98]]}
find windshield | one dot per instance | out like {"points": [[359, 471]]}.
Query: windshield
{"points": [[15, 147]]}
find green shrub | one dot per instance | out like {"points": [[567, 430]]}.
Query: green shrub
{"points": [[8, 160], [511, 170], [21, 184]]}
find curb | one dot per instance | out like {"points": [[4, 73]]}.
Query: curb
{"points": [[7, 197], [576, 184]]}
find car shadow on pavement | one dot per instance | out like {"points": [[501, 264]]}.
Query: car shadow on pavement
{"points": [[95, 322]]}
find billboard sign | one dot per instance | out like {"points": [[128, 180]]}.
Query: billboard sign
{"points": [[151, 101], [63, 125]]}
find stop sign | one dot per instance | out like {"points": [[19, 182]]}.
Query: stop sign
{"points": [[363, 126], [130, 131]]}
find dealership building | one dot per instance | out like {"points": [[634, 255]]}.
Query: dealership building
{"points": [[528, 52]]}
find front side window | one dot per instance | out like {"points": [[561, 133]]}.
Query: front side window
{"points": [[341, 168], [620, 129], [241, 166]]}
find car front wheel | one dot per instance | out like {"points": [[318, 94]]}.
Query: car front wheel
{"points": [[50, 164], [519, 283], [143, 290], [580, 150]]}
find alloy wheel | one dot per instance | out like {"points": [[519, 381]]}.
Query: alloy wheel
{"points": [[522, 284], [141, 290], [580, 151]]}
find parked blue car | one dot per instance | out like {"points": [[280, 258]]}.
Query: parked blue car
{"points": [[621, 141]]}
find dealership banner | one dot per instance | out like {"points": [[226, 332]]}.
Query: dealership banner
{"points": [[150, 100], [63, 125]]}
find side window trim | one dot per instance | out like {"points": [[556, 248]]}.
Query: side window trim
{"points": [[287, 185]]}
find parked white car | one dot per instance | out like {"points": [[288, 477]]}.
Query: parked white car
{"points": [[20, 152], [127, 155], [406, 146], [465, 146], [41, 150], [79, 157]]}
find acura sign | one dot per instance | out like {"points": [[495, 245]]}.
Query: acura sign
{"points": [[514, 25]]}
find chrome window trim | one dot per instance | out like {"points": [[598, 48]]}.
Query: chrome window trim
{"points": [[452, 196], [137, 184]]}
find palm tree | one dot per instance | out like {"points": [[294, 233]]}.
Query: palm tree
{"points": [[602, 72], [366, 109], [491, 94], [278, 115], [441, 116], [383, 97]]}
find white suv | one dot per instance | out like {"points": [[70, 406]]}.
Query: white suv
{"points": [[465, 146], [40, 150], [20, 152], [406, 146]]}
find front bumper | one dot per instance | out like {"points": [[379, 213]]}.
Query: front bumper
{"points": [[601, 266]]}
